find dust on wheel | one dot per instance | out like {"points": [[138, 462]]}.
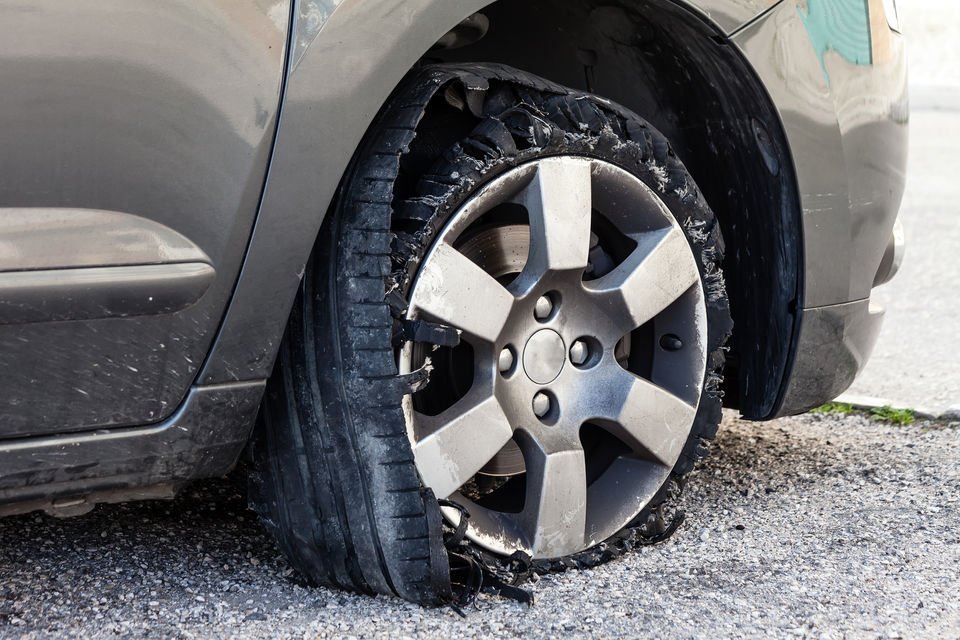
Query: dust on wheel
{"points": [[583, 358]]}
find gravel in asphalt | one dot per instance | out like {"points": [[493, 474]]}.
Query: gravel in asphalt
{"points": [[815, 526]]}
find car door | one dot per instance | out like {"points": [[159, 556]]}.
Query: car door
{"points": [[134, 141]]}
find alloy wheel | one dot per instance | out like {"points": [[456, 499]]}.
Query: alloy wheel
{"points": [[583, 351]]}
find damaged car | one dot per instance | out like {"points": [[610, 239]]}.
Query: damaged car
{"points": [[464, 283]]}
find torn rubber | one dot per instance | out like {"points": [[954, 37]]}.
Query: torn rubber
{"points": [[521, 115], [430, 332], [336, 481]]}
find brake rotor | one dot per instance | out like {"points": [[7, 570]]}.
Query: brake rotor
{"points": [[501, 251]]}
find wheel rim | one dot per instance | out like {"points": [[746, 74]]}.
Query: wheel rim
{"points": [[592, 374]]}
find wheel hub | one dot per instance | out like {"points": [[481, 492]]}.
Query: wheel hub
{"points": [[582, 435], [544, 356]]}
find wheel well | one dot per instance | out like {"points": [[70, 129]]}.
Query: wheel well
{"points": [[681, 74]]}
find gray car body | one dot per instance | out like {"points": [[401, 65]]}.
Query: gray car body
{"points": [[166, 169]]}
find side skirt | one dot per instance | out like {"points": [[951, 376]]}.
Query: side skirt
{"points": [[68, 474]]}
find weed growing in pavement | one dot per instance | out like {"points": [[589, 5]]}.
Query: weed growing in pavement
{"points": [[834, 407], [887, 413]]}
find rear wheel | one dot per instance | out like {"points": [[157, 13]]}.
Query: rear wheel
{"points": [[516, 305]]}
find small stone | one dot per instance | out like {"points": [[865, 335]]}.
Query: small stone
{"points": [[951, 414]]}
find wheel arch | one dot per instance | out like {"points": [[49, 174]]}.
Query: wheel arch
{"points": [[669, 61]]}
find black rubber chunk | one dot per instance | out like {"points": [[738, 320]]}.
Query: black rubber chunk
{"points": [[431, 333]]}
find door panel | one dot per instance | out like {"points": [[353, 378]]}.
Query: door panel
{"points": [[134, 141]]}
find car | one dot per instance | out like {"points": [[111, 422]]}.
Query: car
{"points": [[463, 284]]}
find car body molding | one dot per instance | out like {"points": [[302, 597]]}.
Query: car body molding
{"points": [[61, 264]]}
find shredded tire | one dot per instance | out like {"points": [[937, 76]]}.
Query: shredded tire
{"points": [[334, 477]]}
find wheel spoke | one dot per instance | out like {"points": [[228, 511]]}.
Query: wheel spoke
{"points": [[559, 204], [647, 418], [655, 274], [459, 442], [554, 514], [453, 290]]}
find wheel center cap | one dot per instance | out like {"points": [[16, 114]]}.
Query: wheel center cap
{"points": [[543, 356]]}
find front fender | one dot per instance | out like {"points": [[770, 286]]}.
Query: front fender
{"points": [[346, 58]]}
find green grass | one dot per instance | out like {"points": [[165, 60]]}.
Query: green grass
{"points": [[834, 407], [883, 414], [889, 414]]}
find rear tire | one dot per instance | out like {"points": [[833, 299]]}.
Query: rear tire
{"points": [[334, 476]]}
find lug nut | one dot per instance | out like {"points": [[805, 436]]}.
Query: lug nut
{"points": [[505, 361], [579, 352], [541, 404], [671, 342], [543, 308]]}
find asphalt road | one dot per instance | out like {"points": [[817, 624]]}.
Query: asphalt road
{"points": [[816, 526]]}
